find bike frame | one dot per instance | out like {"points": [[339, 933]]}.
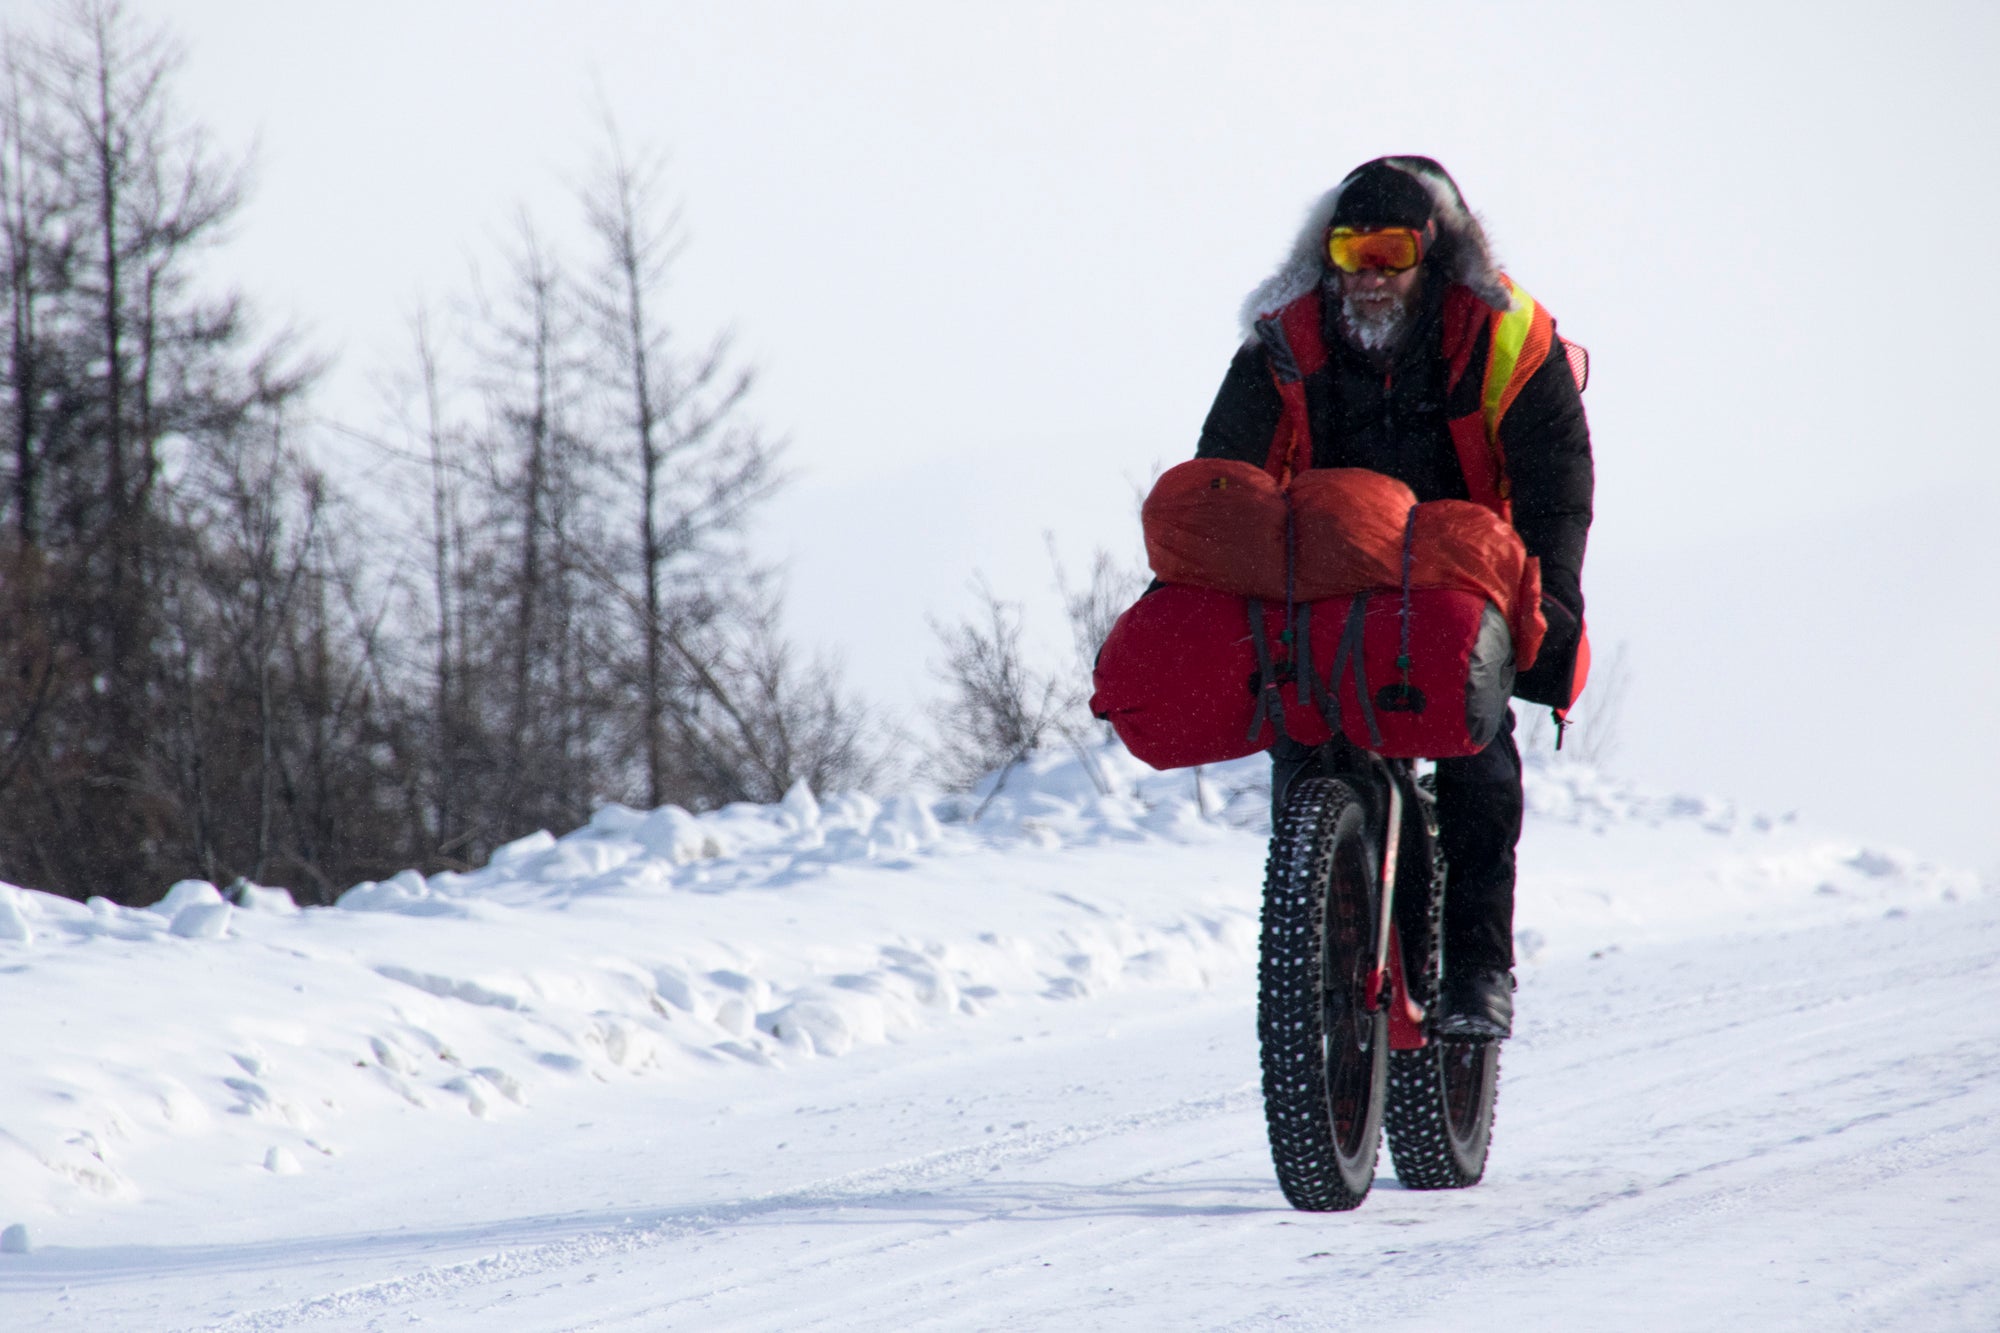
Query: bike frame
{"points": [[1389, 782]]}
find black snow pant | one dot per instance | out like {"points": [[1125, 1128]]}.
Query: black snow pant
{"points": [[1479, 824]]}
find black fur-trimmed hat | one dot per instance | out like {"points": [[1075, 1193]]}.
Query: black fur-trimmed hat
{"points": [[1379, 195]]}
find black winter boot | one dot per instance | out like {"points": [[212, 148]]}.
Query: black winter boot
{"points": [[1478, 1005]]}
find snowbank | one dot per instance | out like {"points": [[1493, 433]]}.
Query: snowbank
{"points": [[240, 1033]]}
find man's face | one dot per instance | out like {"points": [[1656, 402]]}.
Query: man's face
{"points": [[1375, 292], [1377, 307]]}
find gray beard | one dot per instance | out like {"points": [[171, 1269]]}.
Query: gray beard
{"points": [[1376, 332]]}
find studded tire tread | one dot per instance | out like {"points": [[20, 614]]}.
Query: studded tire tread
{"points": [[1324, 1125], [1432, 1149], [1439, 1113]]}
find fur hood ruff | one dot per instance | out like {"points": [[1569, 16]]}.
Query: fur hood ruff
{"points": [[1470, 261]]}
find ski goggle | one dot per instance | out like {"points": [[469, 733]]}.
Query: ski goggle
{"points": [[1390, 249]]}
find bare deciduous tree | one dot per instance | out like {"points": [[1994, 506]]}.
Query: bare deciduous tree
{"points": [[115, 362], [698, 468], [998, 708], [1094, 607], [213, 663]]}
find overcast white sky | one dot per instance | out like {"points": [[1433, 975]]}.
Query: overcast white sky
{"points": [[988, 260]]}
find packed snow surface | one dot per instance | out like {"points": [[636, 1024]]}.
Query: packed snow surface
{"points": [[988, 1062]]}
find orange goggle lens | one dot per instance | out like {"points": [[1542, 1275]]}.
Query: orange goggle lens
{"points": [[1391, 249]]}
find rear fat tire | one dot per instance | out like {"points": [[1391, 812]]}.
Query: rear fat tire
{"points": [[1325, 1057], [1439, 1117], [1440, 1113]]}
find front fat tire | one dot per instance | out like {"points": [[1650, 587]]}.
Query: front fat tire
{"points": [[1440, 1112], [1325, 1058]]}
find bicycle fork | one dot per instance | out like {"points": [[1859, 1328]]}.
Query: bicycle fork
{"points": [[1388, 981]]}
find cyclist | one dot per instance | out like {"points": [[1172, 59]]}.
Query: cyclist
{"points": [[1382, 336]]}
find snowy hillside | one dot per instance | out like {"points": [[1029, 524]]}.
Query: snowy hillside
{"points": [[641, 1064]]}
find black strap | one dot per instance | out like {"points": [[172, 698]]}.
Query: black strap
{"points": [[1325, 697], [1311, 694], [1270, 707], [1291, 562], [1350, 651]]}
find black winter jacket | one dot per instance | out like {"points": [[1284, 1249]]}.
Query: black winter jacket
{"points": [[1392, 418]]}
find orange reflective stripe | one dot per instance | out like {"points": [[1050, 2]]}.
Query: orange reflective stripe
{"points": [[1521, 341], [1540, 342], [1510, 338], [1519, 344]]}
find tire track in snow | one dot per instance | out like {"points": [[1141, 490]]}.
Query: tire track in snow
{"points": [[858, 1190], [980, 1241]]}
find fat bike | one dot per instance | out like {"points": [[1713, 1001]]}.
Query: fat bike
{"points": [[1348, 979]]}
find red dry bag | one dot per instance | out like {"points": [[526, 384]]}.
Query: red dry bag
{"points": [[1195, 676]]}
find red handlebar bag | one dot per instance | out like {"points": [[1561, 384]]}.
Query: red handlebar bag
{"points": [[1183, 679], [1219, 524], [1347, 526], [1216, 523]]}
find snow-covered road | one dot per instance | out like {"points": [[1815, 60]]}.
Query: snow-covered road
{"points": [[1700, 1126]]}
